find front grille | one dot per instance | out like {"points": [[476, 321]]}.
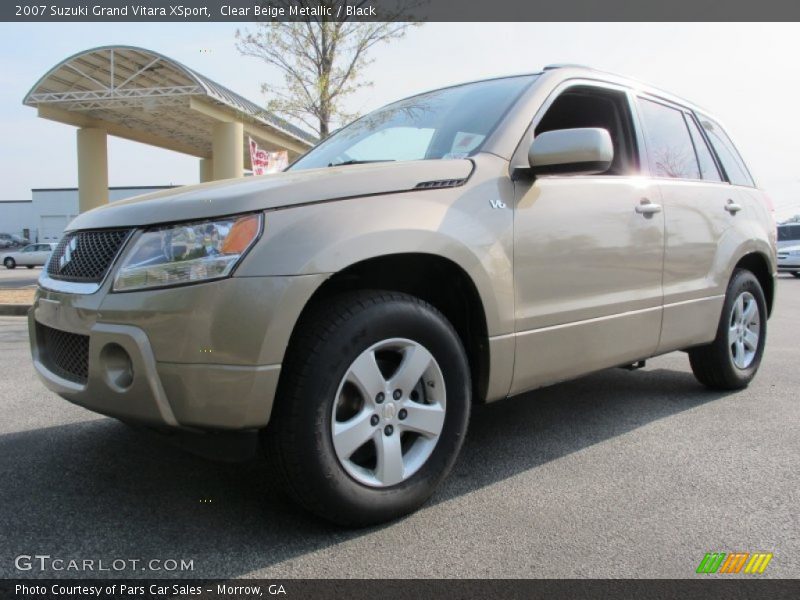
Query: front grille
{"points": [[86, 256], [65, 354]]}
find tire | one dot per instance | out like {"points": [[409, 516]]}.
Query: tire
{"points": [[796, 274], [318, 392], [715, 365], [10, 263], [29, 266]]}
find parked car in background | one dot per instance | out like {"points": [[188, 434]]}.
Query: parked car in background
{"points": [[788, 235], [12, 240], [33, 255], [456, 247], [789, 260]]}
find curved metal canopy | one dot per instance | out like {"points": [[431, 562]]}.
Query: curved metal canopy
{"points": [[145, 96]]}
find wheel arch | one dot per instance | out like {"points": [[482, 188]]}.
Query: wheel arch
{"points": [[758, 264], [433, 278]]}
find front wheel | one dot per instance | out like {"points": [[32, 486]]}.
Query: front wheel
{"points": [[372, 408], [731, 361], [10, 263]]}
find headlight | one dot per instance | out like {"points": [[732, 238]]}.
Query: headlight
{"points": [[187, 252]]}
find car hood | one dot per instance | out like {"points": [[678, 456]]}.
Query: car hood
{"points": [[278, 190]]}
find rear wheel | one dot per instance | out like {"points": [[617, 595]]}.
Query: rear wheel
{"points": [[731, 361], [372, 410], [10, 263], [796, 273]]}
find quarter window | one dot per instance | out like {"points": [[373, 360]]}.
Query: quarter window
{"points": [[726, 151], [669, 146]]}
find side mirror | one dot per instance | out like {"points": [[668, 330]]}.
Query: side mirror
{"points": [[585, 151]]}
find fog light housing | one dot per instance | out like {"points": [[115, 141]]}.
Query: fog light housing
{"points": [[117, 367]]}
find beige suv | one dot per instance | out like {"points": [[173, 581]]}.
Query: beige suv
{"points": [[459, 246]]}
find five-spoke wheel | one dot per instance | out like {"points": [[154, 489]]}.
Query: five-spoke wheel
{"points": [[389, 412], [373, 407]]}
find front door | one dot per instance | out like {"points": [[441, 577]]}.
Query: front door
{"points": [[588, 254]]}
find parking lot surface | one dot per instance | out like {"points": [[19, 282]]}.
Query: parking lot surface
{"points": [[20, 277], [618, 474]]}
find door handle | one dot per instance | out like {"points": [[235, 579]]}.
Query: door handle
{"points": [[647, 208], [732, 207]]}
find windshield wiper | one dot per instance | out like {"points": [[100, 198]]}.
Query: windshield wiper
{"points": [[359, 162]]}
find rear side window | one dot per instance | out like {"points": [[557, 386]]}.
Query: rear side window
{"points": [[726, 151], [670, 150], [708, 168], [788, 233]]}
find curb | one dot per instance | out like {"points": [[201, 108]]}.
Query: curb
{"points": [[14, 310]]}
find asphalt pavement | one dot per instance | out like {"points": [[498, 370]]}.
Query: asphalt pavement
{"points": [[617, 474], [21, 277]]}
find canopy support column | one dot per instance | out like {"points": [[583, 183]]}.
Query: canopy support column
{"points": [[206, 170], [92, 168], [227, 149]]}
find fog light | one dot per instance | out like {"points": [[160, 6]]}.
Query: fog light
{"points": [[117, 367]]}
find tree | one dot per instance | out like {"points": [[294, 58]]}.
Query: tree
{"points": [[322, 61]]}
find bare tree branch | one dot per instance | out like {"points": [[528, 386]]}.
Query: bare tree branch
{"points": [[321, 60]]}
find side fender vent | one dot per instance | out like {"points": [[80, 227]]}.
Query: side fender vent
{"points": [[439, 184]]}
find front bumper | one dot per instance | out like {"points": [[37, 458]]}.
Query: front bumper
{"points": [[205, 356]]}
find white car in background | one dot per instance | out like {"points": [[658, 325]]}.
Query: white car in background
{"points": [[32, 255], [789, 260]]}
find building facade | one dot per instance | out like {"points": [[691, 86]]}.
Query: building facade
{"points": [[44, 217]]}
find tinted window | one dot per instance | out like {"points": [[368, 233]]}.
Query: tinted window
{"points": [[708, 168], [593, 107], [788, 233], [669, 147], [728, 156], [448, 123]]}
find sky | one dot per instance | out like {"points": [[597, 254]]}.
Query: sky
{"points": [[745, 74]]}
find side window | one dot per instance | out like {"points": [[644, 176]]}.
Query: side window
{"points": [[587, 106], [728, 156], [788, 233], [670, 151], [708, 168]]}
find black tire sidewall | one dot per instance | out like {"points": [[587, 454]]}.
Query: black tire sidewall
{"points": [[743, 281], [396, 318], [10, 263]]}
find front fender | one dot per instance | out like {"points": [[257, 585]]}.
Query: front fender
{"points": [[457, 224]]}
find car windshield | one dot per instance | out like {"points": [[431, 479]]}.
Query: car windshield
{"points": [[447, 123]]}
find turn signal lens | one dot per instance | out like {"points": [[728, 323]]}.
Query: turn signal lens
{"points": [[242, 234]]}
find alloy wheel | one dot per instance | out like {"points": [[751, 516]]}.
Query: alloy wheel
{"points": [[744, 330], [388, 413]]}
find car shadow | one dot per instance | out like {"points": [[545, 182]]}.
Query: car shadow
{"points": [[99, 489]]}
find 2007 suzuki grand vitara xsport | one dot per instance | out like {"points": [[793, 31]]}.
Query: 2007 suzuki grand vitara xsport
{"points": [[459, 246]]}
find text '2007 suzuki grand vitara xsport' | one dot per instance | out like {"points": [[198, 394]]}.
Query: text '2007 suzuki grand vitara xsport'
{"points": [[459, 246]]}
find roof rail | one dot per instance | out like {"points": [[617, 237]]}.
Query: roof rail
{"points": [[564, 66]]}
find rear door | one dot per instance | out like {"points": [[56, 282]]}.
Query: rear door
{"points": [[695, 199]]}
